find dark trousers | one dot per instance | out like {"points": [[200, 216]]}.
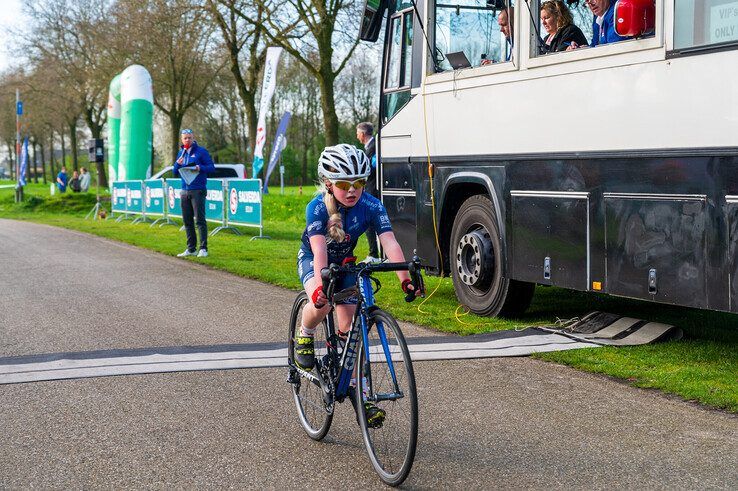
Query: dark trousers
{"points": [[193, 210], [371, 235]]}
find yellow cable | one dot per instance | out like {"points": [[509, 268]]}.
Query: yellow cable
{"points": [[433, 211], [433, 202], [466, 312]]}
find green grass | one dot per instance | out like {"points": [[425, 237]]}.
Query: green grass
{"points": [[702, 367]]}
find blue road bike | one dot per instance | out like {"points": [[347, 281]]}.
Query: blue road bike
{"points": [[372, 366]]}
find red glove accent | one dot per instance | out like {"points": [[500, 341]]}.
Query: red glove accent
{"points": [[348, 260], [405, 284], [315, 297]]}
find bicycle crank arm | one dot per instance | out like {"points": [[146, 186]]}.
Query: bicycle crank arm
{"points": [[386, 397]]}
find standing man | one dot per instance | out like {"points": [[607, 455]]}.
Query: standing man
{"points": [[61, 179], [84, 180], [365, 135], [193, 165]]}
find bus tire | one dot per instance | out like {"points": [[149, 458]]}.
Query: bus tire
{"points": [[476, 258]]}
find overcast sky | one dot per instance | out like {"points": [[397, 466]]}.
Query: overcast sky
{"points": [[10, 15]]}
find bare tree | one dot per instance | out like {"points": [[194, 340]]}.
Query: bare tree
{"points": [[8, 84], [74, 38], [322, 25], [246, 50], [359, 87], [174, 40]]}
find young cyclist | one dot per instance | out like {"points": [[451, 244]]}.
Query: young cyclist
{"points": [[335, 219]]}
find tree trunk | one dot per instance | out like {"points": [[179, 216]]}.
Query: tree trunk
{"points": [[43, 162], [10, 160], [73, 143], [35, 162], [52, 167], [304, 178], [175, 124], [328, 104], [64, 151]]}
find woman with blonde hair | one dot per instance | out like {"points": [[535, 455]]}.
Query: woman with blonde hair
{"points": [[559, 25], [335, 219]]}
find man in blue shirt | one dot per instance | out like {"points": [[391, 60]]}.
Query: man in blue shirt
{"points": [[603, 24], [193, 165], [61, 179]]}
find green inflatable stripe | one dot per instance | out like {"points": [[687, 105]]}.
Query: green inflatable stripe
{"points": [[137, 110]]}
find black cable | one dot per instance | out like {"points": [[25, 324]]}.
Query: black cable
{"points": [[542, 48], [431, 51]]}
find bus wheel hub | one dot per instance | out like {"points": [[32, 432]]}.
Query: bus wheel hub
{"points": [[474, 258]]}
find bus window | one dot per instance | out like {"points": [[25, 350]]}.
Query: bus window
{"points": [[398, 71], [576, 16], [399, 57], [471, 26], [705, 23], [566, 24]]}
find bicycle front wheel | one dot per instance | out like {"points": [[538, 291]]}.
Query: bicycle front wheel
{"points": [[314, 410], [387, 381]]}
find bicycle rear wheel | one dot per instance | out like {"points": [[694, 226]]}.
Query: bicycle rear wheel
{"points": [[314, 408], [391, 447]]}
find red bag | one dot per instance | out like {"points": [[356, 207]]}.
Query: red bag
{"points": [[634, 18]]}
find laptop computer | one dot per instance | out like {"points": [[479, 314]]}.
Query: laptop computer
{"points": [[458, 60]]}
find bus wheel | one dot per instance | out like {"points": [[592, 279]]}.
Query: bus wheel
{"points": [[477, 263]]}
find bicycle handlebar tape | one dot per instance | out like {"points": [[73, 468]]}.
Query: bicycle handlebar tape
{"points": [[315, 297]]}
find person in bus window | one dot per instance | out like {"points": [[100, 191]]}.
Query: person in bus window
{"points": [[603, 24], [505, 20], [557, 21]]}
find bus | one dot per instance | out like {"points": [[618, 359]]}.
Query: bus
{"points": [[610, 168]]}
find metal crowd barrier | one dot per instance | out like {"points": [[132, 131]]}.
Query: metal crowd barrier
{"points": [[228, 202]]}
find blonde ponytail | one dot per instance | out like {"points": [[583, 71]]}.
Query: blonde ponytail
{"points": [[335, 224]]}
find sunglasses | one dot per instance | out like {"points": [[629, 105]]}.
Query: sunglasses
{"points": [[346, 185], [186, 132]]}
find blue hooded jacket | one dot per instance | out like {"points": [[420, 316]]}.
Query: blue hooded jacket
{"points": [[196, 155]]}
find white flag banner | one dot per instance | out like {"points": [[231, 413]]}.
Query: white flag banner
{"points": [[267, 90]]}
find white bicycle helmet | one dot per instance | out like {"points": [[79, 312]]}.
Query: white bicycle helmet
{"points": [[343, 161]]}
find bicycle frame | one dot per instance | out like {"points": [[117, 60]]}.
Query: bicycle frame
{"points": [[350, 353]]}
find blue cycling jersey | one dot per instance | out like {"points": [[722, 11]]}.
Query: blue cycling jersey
{"points": [[356, 219]]}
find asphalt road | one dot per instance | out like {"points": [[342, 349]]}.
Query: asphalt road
{"points": [[489, 423]]}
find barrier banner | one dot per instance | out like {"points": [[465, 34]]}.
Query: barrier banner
{"points": [[244, 202], [119, 197], [214, 201], [174, 203], [154, 197], [134, 196]]}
